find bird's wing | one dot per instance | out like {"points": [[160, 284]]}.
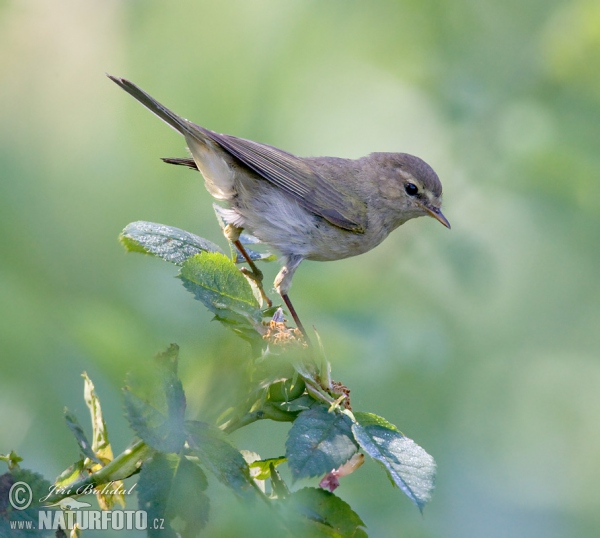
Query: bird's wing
{"points": [[293, 176], [285, 171]]}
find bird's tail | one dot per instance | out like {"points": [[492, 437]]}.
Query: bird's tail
{"points": [[181, 125], [190, 163]]}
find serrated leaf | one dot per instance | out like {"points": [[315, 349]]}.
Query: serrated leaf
{"points": [[39, 488], [84, 445], [408, 465], [167, 242], [151, 425], [171, 489], [319, 442], [215, 453], [155, 404], [221, 287], [316, 512]]}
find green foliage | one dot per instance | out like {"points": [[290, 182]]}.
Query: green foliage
{"points": [[12, 459], [157, 418], [216, 282], [9, 514], [166, 242], [171, 489], [319, 441], [324, 515], [287, 380], [261, 469], [286, 391], [214, 452], [84, 445], [408, 465]]}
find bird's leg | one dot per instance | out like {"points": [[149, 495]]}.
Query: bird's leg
{"points": [[255, 273], [233, 234], [288, 303], [283, 282]]}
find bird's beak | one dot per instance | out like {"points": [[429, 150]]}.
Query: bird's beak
{"points": [[436, 213]]}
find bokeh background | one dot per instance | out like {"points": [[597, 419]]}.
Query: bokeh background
{"points": [[481, 343]]}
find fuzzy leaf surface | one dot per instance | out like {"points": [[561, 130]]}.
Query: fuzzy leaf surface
{"points": [[408, 465], [167, 242], [319, 442], [215, 281]]}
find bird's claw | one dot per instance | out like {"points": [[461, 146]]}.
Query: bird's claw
{"points": [[257, 277]]}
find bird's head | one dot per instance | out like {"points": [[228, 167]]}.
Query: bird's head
{"points": [[411, 185]]}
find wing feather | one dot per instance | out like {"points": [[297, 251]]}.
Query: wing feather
{"points": [[295, 177]]}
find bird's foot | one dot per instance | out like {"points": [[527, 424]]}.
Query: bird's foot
{"points": [[257, 276]]}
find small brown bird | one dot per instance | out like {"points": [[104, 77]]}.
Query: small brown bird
{"points": [[317, 208]]}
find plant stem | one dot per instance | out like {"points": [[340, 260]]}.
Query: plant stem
{"points": [[123, 466], [267, 412]]}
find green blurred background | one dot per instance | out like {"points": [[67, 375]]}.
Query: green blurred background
{"points": [[480, 343]]}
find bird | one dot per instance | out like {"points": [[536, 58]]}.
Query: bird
{"points": [[307, 208]]}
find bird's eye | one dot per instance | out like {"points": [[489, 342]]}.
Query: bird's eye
{"points": [[411, 189]]}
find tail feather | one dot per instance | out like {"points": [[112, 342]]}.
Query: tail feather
{"points": [[178, 123], [190, 163]]}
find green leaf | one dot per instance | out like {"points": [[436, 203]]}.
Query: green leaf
{"points": [[30, 482], [224, 290], [171, 489], [70, 475], [12, 459], [100, 443], [166, 242], [286, 390], [316, 512], [318, 442], [155, 405], [278, 486], [241, 327], [84, 445], [408, 465], [150, 424], [167, 363], [261, 469], [215, 453], [297, 405]]}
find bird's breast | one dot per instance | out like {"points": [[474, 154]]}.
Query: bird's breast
{"points": [[280, 222]]}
